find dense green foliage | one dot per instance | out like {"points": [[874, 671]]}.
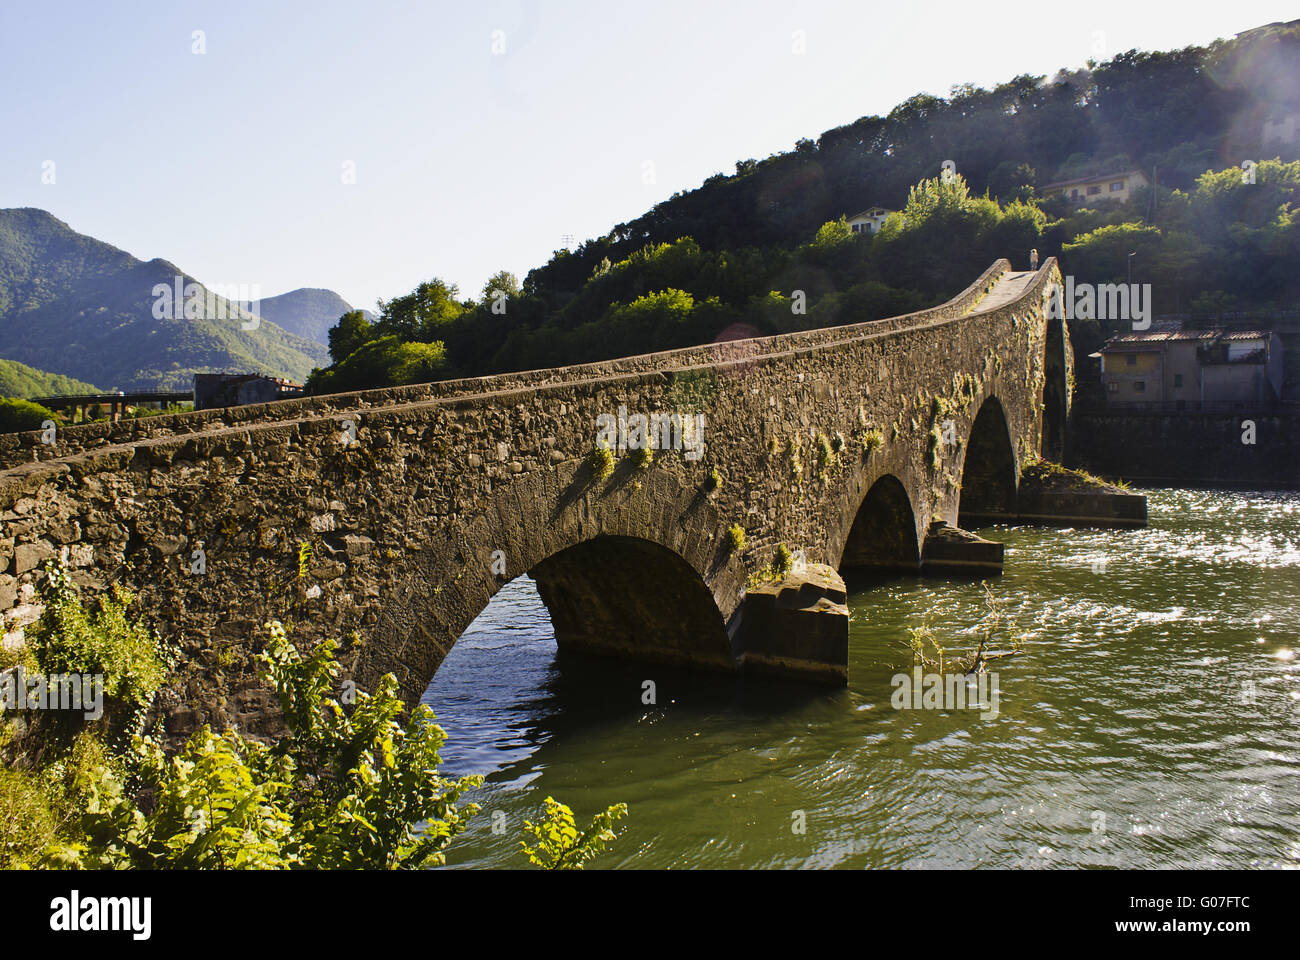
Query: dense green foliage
{"points": [[354, 784], [76, 306], [18, 415], [20, 380], [37, 807], [1183, 111], [26, 821], [382, 363], [70, 639], [767, 249], [345, 789]]}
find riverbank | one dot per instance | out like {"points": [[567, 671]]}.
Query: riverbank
{"points": [[1169, 449]]}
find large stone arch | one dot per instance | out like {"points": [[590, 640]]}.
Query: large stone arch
{"points": [[989, 470], [884, 531], [619, 574]]}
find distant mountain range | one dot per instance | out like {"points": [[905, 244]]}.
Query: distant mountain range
{"points": [[81, 308], [308, 312]]}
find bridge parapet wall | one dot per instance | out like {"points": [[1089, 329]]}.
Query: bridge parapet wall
{"points": [[20, 448]]}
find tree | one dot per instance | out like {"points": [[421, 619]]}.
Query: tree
{"points": [[385, 362], [1012, 180], [352, 330], [420, 314], [503, 281]]}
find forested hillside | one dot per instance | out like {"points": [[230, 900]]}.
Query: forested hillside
{"points": [[733, 256], [20, 380]]}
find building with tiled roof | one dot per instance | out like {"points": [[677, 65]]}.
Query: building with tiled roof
{"points": [[1109, 186], [1192, 367]]}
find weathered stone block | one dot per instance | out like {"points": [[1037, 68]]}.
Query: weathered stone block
{"points": [[358, 546], [951, 550], [797, 628], [28, 556]]}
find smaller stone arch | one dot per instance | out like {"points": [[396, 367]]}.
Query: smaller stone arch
{"points": [[883, 535], [1055, 389], [621, 596], [989, 472]]}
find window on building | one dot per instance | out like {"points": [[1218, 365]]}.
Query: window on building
{"points": [[1131, 359], [1113, 387], [1117, 186], [1139, 386], [1178, 379], [1093, 190]]}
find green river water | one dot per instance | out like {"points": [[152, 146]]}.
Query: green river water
{"points": [[1149, 720]]}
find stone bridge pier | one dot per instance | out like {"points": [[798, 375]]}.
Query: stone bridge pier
{"points": [[389, 518]]}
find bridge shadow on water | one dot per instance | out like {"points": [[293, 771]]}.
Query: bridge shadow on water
{"points": [[508, 698]]}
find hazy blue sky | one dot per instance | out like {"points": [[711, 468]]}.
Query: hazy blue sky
{"points": [[230, 163]]}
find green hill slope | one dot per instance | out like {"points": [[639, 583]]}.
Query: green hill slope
{"points": [[19, 380]]}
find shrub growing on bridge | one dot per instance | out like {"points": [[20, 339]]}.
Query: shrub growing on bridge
{"points": [[601, 462], [68, 639]]}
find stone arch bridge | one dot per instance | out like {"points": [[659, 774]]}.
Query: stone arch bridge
{"points": [[391, 517]]}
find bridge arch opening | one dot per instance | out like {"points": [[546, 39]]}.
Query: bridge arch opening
{"points": [[988, 480], [625, 597], [609, 596], [567, 643], [1055, 391], [883, 535]]}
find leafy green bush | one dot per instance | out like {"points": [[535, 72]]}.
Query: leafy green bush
{"points": [[559, 845], [69, 639], [27, 823], [642, 457], [35, 807], [19, 415], [344, 789]]}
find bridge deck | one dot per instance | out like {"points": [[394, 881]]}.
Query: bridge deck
{"points": [[1011, 286]]}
